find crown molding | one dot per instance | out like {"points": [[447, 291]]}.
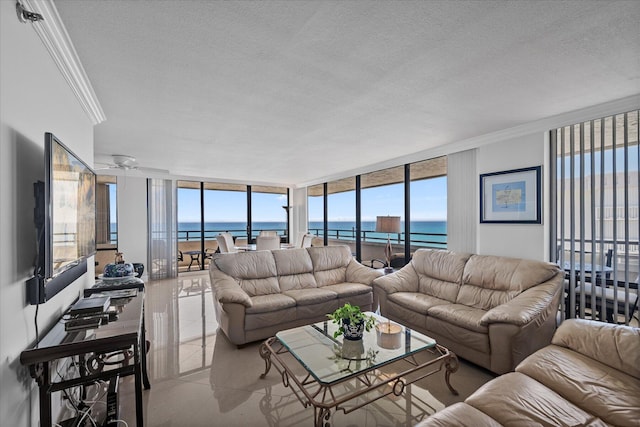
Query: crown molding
{"points": [[56, 40]]}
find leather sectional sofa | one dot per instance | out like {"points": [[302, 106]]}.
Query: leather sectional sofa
{"points": [[493, 311], [256, 294], [588, 376]]}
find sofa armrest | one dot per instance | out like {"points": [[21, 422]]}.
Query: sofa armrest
{"points": [[226, 289], [403, 280], [358, 273], [526, 307], [616, 346]]}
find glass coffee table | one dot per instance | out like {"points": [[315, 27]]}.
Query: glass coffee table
{"points": [[336, 374]]}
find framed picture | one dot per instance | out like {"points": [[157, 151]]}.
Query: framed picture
{"points": [[511, 196]]}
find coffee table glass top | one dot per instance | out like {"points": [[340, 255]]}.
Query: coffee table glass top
{"points": [[331, 360]]}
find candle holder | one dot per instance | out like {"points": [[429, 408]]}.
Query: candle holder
{"points": [[389, 335]]}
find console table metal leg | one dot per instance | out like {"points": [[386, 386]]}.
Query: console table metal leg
{"points": [[144, 344], [138, 385], [45, 396]]}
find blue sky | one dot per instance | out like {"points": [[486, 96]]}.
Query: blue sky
{"points": [[229, 206], [428, 201]]}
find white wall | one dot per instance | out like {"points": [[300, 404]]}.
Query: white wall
{"points": [[132, 218], [35, 99], [462, 219], [516, 240]]}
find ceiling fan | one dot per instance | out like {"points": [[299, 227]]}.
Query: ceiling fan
{"points": [[126, 163]]}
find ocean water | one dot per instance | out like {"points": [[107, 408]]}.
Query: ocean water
{"points": [[423, 233], [429, 233]]}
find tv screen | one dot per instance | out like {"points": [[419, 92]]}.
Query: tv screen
{"points": [[70, 208]]}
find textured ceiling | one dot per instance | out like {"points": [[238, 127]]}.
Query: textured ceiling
{"points": [[290, 92]]}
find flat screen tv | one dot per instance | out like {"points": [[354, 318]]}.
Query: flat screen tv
{"points": [[65, 220]]}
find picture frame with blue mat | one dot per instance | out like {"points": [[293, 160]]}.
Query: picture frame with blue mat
{"points": [[512, 196]]}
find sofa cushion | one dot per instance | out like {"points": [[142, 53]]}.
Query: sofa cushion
{"points": [[459, 414], [295, 269], [311, 295], [489, 281], [531, 405], [461, 315], [440, 272], [465, 337], [614, 345], [255, 271], [258, 321], [272, 302], [416, 301], [348, 289], [330, 264], [612, 395]]}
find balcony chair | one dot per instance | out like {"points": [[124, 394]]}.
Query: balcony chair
{"points": [[208, 253], [225, 243], [267, 243], [306, 241], [241, 241]]}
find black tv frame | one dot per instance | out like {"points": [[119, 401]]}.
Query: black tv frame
{"points": [[45, 284]]}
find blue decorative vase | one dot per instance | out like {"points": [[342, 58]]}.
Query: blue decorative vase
{"points": [[118, 270], [352, 332]]}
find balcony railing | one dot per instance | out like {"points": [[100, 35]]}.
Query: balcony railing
{"points": [[194, 235], [421, 239]]}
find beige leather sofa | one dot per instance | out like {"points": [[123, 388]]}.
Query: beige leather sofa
{"points": [[588, 376], [493, 311], [256, 294]]}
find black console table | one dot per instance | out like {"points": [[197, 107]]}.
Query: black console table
{"points": [[126, 333]]}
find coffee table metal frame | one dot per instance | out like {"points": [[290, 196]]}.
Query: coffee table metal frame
{"points": [[323, 396]]}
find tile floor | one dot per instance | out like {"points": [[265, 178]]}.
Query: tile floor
{"points": [[198, 378]]}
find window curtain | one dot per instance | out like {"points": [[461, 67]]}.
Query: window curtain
{"points": [[163, 245], [103, 214], [462, 187]]}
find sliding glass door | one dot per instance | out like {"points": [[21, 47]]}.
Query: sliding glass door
{"points": [[382, 195], [269, 210], [429, 203], [346, 211]]}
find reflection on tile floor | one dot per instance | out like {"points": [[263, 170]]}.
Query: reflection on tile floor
{"points": [[198, 378]]}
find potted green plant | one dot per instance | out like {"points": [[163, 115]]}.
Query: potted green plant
{"points": [[352, 322]]}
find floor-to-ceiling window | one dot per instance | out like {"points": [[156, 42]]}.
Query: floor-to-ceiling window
{"points": [[225, 209], [206, 209], [416, 192], [341, 210], [190, 225], [382, 194], [315, 209], [106, 220], [269, 210], [595, 227], [428, 223]]}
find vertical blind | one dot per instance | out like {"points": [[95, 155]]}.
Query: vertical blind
{"points": [[595, 193]]}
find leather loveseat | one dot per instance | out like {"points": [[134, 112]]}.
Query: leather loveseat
{"points": [[588, 376], [256, 294], [493, 311]]}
